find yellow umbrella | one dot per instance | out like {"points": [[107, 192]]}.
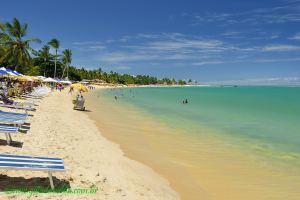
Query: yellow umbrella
{"points": [[21, 78], [34, 78], [79, 87]]}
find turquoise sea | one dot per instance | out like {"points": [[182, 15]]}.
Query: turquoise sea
{"points": [[263, 123], [269, 116]]}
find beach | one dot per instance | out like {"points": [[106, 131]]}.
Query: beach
{"points": [[56, 130], [150, 100]]}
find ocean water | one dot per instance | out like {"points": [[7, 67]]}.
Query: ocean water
{"points": [[226, 142]]}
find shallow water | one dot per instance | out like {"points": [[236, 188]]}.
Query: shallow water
{"points": [[226, 143]]}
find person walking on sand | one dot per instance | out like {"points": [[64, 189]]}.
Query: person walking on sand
{"points": [[71, 90]]}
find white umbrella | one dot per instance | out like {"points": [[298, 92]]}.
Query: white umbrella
{"points": [[50, 80], [41, 77], [66, 82]]}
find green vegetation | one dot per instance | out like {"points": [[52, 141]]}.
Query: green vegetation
{"points": [[16, 53]]}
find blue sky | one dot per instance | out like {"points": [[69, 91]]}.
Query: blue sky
{"points": [[205, 40]]}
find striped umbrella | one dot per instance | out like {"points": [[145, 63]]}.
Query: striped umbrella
{"points": [[17, 73], [3, 72], [10, 72]]}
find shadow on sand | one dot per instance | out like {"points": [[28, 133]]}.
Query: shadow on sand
{"points": [[11, 183], [12, 144]]}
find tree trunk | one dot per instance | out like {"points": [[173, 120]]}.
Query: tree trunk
{"points": [[67, 72], [44, 68], [55, 63], [63, 72]]}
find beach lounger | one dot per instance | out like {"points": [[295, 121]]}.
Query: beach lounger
{"points": [[31, 96], [13, 118], [8, 130], [13, 113], [15, 122], [8, 103], [14, 162], [24, 107]]}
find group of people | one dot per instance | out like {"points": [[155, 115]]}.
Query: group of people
{"points": [[185, 101], [10, 87], [91, 87]]}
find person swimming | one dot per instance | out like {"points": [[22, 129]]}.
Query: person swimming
{"points": [[185, 101]]}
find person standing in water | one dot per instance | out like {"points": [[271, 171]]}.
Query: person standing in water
{"points": [[116, 98]]}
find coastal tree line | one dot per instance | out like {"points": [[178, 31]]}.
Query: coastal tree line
{"points": [[17, 53]]}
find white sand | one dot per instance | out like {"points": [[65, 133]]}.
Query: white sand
{"points": [[91, 160]]}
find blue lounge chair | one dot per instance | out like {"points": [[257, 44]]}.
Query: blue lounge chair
{"points": [[12, 121], [8, 130], [13, 114], [12, 118], [23, 107], [14, 162]]}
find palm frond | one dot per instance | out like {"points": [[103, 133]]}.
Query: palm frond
{"points": [[2, 27], [55, 43]]}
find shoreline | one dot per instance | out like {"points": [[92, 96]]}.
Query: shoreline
{"points": [[90, 159], [179, 178], [205, 164]]}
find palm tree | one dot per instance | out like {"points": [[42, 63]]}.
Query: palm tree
{"points": [[67, 59], [45, 55], [2, 26], [17, 50], [55, 44], [2, 36]]}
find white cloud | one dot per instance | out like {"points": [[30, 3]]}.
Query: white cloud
{"points": [[110, 41], [277, 59], [295, 37], [86, 43], [185, 44], [281, 48], [97, 47], [232, 33], [274, 36], [207, 63], [119, 57], [122, 67], [175, 48], [269, 15]]}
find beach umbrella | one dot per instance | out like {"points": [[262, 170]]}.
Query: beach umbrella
{"points": [[34, 78], [50, 80], [22, 78], [31, 78], [17, 73], [11, 72], [41, 77], [3, 72], [79, 87], [66, 82]]}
